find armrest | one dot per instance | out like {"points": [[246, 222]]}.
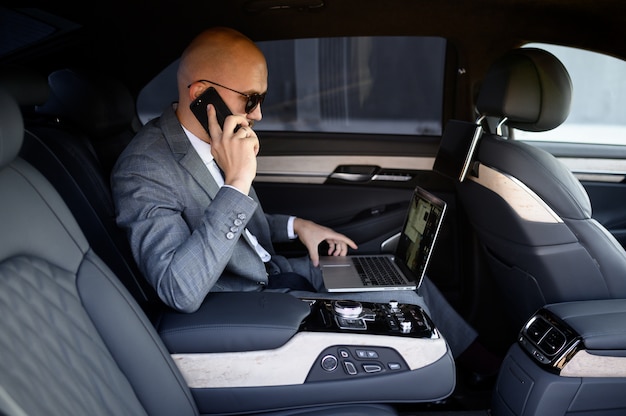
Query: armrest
{"points": [[600, 323], [233, 322]]}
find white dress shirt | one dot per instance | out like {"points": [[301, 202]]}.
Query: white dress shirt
{"points": [[204, 151]]}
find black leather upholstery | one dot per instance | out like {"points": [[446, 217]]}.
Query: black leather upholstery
{"points": [[72, 339], [530, 212], [76, 126], [528, 86], [229, 322], [600, 323], [96, 105]]}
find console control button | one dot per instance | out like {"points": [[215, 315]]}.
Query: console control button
{"points": [[349, 323], [406, 326], [366, 354], [348, 308], [394, 366], [372, 368], [329, 362], [350, 368]]}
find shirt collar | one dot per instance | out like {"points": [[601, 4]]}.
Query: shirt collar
{"points": [[202, 148]]}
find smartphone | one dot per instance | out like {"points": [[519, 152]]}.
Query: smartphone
{"points": [[198, 107]]}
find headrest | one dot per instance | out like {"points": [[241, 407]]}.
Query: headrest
{"points": [[528, 86], [28, 87], [97, 103], [11, 128]]}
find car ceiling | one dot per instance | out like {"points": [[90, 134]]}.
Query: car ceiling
{"points": [[133, 39]]}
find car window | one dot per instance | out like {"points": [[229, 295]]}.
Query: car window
{"points": [[381, 85], [597, 113], [356, 85]]}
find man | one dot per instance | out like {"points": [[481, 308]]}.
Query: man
{"points": [[196, 226]]}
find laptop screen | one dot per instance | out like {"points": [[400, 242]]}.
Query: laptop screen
{"points": [[421, 227]]}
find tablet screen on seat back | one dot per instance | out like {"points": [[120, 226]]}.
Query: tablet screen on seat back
{"points": [[456, 149]]}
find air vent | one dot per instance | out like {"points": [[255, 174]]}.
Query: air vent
{"points": [[549, 340], [545, 336], [537, 329]]}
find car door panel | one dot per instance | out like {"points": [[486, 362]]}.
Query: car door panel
{"points": [[368, 215], [608, 201], [365, 200]]}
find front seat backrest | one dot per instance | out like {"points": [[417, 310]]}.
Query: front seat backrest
{"points": [[532, 215]]}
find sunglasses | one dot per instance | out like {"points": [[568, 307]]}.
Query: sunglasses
{"points": [[253, 100]]}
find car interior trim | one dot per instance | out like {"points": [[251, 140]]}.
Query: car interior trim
{"points": [[585, 364], [316, 169], [599, 177], [596, 169], [526, 203], [248, 369]]}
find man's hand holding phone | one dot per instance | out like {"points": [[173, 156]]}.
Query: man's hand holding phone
{"points": [[234, 149], [234, 144]]}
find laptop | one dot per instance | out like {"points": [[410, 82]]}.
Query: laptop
{"points": [[456, 149], [409, 261]]}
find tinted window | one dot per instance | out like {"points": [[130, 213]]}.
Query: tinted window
{"points": [[391, 85], [385, 85]]}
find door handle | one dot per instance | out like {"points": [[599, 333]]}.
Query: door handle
{"points": [[366, 173], [355, 173]]}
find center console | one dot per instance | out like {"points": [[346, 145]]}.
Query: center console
{"points": [[347, 316], [272, 350], [570, 358]]}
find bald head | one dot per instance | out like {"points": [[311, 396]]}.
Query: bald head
{"points": [[215, 54], [230, 62]]}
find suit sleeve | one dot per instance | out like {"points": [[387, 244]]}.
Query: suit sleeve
{"points": [[181, 252]]}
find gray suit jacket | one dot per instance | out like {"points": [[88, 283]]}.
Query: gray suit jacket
{"points": [[185, 231]]}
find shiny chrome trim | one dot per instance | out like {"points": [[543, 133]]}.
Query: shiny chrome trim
{"points": [[499, 126], [567, 355], [390, 244]]}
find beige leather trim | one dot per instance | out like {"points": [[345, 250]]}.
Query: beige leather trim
{"points": [[290, 364], [316, 169], [596, 169], [584, 364], [527, 204]]}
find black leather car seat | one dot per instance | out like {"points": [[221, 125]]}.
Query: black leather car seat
{"points": [[73, 137], [530, 212], [72, 339]]}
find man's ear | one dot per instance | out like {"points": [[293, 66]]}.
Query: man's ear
{"points": [[195, 90]]}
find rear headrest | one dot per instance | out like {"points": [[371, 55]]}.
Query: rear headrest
{"points": [[11, 128], [28, 88], [528, 86], [97, 103]]}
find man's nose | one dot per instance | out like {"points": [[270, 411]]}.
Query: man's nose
{"points": [[256, 114]]}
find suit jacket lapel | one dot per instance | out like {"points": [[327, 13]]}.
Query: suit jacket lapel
{"points": [[188, 157], [185, 153]]}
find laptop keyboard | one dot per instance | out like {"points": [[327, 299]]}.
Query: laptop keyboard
{"points": [[377, 271]]}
